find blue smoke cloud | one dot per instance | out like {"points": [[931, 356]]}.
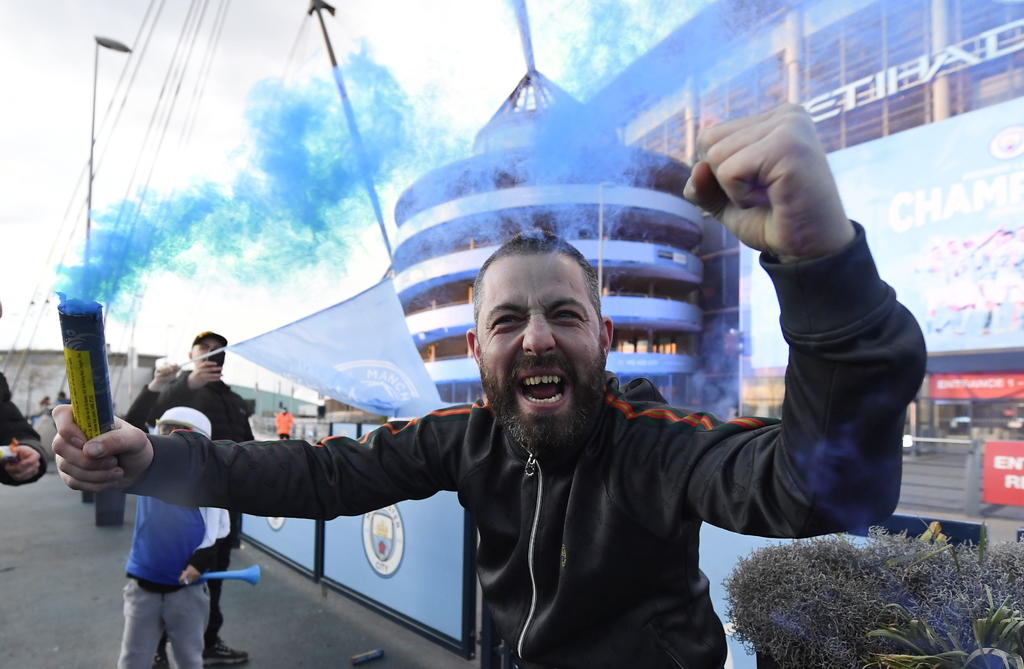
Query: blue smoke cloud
{"points": [[606, 36], [297, 201]]}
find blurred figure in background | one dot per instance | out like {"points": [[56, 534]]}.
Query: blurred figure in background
{"points": [[44, 409], [284, 422], [16, 433]]}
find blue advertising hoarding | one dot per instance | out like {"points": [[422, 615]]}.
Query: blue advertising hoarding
{"points": [[412, 562], [943, 208], [720, 550], [409, 560], [293, 539]]}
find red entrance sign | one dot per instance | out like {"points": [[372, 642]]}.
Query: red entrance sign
{"points": [[1003, 475], [1004, 385]]}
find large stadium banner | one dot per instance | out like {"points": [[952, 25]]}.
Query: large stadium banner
{"points": [[943, 207]]}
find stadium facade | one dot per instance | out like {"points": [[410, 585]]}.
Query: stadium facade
{"points": [[885, 80], [908, 83], [620, 206]]}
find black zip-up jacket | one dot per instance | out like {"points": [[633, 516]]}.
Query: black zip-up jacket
{"points": [[588, 558]]}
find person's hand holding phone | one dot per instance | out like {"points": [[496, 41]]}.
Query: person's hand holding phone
{"points": [[205, 371]]}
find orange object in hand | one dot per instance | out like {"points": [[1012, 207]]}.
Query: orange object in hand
{"points": [[8, 454]]}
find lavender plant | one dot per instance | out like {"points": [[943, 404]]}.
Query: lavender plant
{"points": [[892, 601]]}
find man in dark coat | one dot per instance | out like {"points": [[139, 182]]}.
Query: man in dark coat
{"points": [[201, 388], [31, 464], [589, 502]]}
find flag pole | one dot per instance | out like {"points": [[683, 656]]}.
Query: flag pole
{"points": [[364, 164]]}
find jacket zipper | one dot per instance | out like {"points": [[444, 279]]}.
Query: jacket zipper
{"points": [[532, 466]]}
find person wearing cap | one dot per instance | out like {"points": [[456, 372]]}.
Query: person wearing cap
{"points": [[171, 547], [201, 388]]}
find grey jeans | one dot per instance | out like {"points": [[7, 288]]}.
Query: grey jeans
{"points": [[181, 613]]}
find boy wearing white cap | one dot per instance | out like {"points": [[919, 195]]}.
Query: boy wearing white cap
{"points": [[171, 547]]}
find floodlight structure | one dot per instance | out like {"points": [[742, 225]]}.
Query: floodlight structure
{"points": [[113, 45], [318, 7]]}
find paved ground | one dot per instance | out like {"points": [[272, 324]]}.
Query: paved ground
{"points": [[60, 598]]}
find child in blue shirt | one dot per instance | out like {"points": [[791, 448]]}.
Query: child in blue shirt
{"points": [[171, 547]]}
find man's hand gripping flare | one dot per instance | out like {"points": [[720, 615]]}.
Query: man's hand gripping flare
{"points": [[115, 459]]}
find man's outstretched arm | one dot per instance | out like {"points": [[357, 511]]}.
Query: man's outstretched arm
{"points": [[115, 459], [408, 460]]}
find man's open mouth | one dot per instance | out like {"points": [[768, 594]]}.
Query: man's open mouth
{"points": [[542, 388]]}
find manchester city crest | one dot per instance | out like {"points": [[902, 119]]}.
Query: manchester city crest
{"points": [[376, 383], [384, 540]]}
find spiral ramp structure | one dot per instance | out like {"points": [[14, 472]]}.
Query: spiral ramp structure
{"points": [[622, 210]]}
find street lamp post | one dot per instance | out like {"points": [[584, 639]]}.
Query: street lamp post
{"points": [[106, 43], [357, 140]]}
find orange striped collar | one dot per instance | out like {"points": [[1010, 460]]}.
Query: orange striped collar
{"points": [[664, 413]]}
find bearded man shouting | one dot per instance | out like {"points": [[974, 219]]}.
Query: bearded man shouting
{"points": [[580, 488]]}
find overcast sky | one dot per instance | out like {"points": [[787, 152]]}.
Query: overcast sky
{"points": [[461, 56]]}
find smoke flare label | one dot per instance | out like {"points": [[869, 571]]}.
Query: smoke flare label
{"points": [[83, 395]]}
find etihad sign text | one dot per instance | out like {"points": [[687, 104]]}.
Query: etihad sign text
{"points": [[986, 46]]}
